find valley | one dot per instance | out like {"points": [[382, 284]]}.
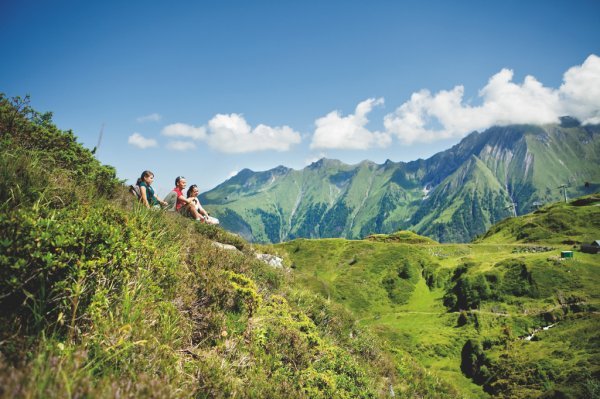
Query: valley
{"points": [[463, 310]]}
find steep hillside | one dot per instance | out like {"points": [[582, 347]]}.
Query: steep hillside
{"points": [[450, 197], [101, 297]]}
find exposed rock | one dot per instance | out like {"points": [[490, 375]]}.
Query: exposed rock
{"points": [[271, 260], [224, 246], [532, 249]]}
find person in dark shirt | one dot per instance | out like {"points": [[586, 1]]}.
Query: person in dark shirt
{"points": [[149, 199]]}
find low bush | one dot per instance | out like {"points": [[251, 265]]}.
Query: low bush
{"points": [[466, 291]]}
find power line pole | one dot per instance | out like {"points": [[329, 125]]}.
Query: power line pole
{"points": [[513, 206], [564, 188]]}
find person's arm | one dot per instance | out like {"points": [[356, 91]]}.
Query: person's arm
{"points": [[144, 198], [163, 203], [186, 200]]}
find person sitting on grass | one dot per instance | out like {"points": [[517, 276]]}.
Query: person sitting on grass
{"points": [[184, 205], [192, 195], [149, 199]]}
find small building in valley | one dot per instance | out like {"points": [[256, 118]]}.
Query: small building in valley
{"points": [[592, 248], [566, 254]]}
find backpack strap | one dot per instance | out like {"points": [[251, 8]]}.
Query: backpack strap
{"points": [[134, 189]]}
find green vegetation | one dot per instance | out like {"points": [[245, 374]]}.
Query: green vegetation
{"points": [[101, 297], [463, 310], [402, 236], [575, 222]]}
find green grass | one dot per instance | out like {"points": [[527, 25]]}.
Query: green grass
{"points": [[576, 222], [427, 331], [102, 297], [564, 359], [105, 298], [560, 290], [402, 236]]}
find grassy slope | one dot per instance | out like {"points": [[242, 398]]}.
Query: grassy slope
{"points": [[423, 325], [565, 358], [103, 298], [575, 222]]}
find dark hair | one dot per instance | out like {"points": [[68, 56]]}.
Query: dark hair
{"points": [[145, 173], [189, 191], [178, 179]]}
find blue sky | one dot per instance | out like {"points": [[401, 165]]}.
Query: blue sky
{"points": [[206, 88]]}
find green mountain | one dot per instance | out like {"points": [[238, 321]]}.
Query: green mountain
{"points": [[451, 197], [465, 203]]}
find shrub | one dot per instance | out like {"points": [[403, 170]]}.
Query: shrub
{"points": [[517, 279], [291, 339], [54, 261], [244, 293], [26, 131], [467, 291], [474, 362], [463, 319]]}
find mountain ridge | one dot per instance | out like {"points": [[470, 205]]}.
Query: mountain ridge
{"points": [[526, 164]]}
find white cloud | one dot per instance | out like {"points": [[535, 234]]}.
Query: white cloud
{"points": [[149, 118], [426, 117], [137, 140], [184, 130], [349, 132], [232, 173], [581, 90], [232, 134], [181, 145]]}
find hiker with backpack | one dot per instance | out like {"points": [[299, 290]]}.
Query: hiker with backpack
{"points": [[149, 199]]}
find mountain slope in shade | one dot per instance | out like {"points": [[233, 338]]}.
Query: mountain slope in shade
{"points": [[452, 196]]}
